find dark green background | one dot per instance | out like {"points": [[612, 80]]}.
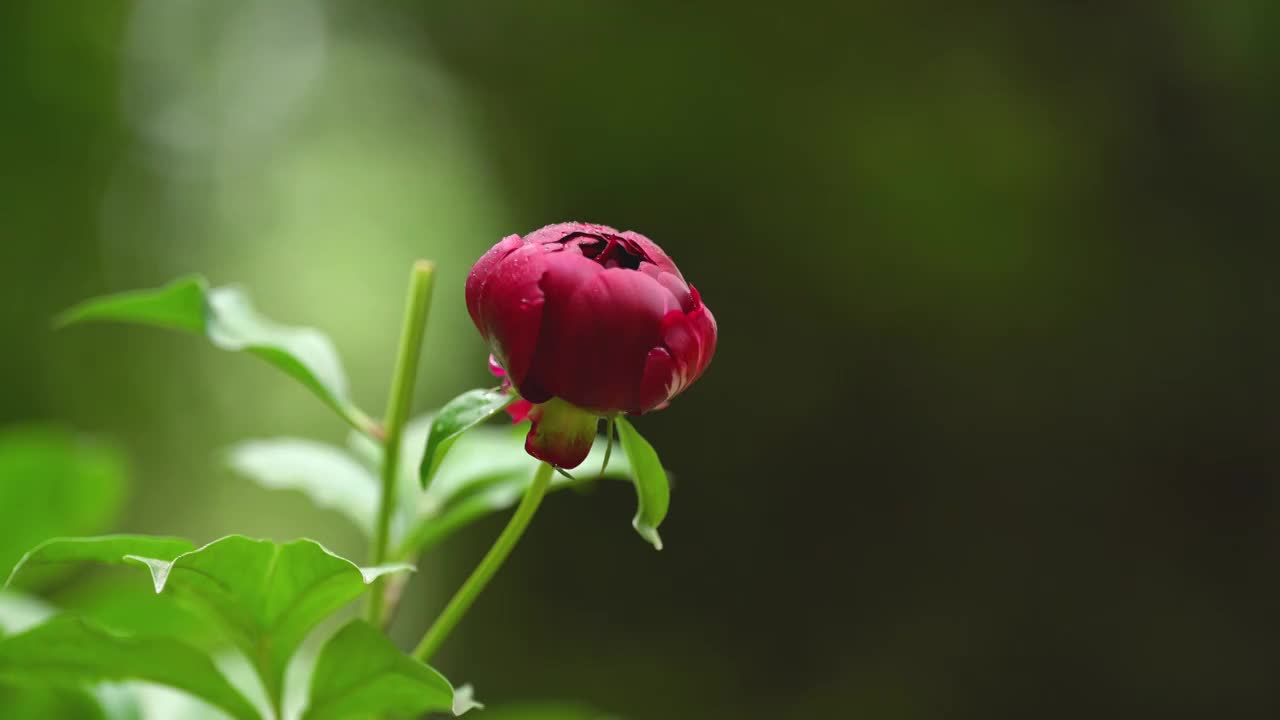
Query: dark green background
{"points": [[992, 430]]}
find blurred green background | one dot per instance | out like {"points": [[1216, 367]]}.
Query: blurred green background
{"points": [[992, 430]]}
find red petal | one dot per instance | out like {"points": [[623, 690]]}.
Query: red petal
{"points": [[685, 347], [656, 381], [704, 325], [565, 273], [607, 340], [511, 308], [690, 341], [673, 283], [654, 253], [605, 333], [480, 274], [555, 232]]}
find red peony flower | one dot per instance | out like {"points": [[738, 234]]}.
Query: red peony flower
{"points": [[589, 316]]}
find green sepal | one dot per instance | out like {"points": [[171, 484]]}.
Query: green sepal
{"points": [[562, 433]]}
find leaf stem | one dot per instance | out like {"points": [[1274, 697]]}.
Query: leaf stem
{"points": [[402, 382], [357, 419], [484, 572]]}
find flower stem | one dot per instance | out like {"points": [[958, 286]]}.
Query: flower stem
{"points": [[402, 382], [484, 572]]}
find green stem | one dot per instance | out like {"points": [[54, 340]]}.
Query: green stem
{"points": [[402, 382], [363, 423], [484, 572]]}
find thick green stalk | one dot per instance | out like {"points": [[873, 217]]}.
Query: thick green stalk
{"points": [[402, 382], [484, 572]]}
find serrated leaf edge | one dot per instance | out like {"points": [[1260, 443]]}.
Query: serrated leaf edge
{"points": [[464, 699], [23, 561], [161, 569]]}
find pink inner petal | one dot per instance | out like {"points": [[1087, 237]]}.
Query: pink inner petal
{"points": [[519, 411], [495, 367]]}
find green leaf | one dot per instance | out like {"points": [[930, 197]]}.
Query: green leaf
{"points": [[266, 596], [180, 305], [70, 652], [227, 318], [108, 549], [122, 603], [328, 475], [162, 703], [305, 354], [652, 489], [360, 673], [458, 416], [123, 701], [53, 483], [20, 612], [486, 472], [477, 457], [609, 434], [28, 702], [491, 498]]}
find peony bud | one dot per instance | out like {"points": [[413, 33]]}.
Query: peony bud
{"points": [[599, 319]]}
